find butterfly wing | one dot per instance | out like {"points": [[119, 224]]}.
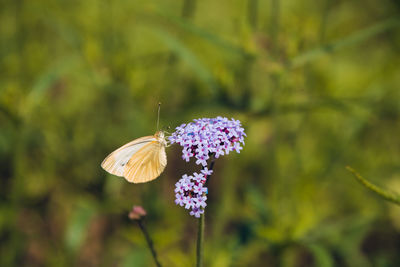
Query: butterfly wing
{"points": [[147, 163], [115, 162]]}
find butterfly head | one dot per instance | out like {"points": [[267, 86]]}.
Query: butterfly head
{"points": [[160, 136]]}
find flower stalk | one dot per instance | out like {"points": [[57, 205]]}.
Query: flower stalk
{"points": [[138, 214], [201, 225], [200, 241], [149, 242]]}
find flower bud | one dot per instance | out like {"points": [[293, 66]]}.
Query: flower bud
{"points": [[137, 213]]}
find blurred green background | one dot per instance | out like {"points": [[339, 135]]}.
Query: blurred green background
{"points": [[315, 84]]}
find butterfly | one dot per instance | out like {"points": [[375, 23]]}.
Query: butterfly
{"points": [[139, 161]]}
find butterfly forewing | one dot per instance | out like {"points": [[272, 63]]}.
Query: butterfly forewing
{"points": [[115, 162], [147, 163]]}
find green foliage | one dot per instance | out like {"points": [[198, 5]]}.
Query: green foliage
{"points": [[385, 194], [315, 84]]}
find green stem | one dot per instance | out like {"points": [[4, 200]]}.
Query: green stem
{"points": [[189, 8], [149, 242], [211, 167], [324, 20], [274, 24], [201, 225], [200, 241], [385, 194], [252, 8]]}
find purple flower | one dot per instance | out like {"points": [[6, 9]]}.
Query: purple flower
{"points": [[218, 153], [237, 147], [189, 203], [179, 199], [201, 201], [196, 212], [202, 160], [206, 171], [199, 189], [199, 177], [186, 155], [191, 193], [206, 136], [202, 139]]}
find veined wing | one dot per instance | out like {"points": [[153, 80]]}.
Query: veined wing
{"points": [[147, 163], [115, 162]]}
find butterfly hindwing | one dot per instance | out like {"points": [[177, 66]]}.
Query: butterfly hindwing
{"points": [[147, 163]]}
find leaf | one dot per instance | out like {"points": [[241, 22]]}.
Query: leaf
{"points": [[385, 194], [206, 35], [189, 57], [322, 257], [45, 81], [137, 257], [78, 225], [353, 39]]}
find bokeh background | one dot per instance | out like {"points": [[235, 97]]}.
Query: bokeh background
{"points": [[315, 84]]}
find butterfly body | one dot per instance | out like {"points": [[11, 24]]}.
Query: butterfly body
{"points": [[140, 160]]}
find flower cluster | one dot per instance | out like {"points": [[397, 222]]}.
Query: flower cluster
{"points": [[204, 137], [190, 192]]}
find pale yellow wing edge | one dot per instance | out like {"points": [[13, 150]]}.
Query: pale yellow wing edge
{"points": [[110, 162]]}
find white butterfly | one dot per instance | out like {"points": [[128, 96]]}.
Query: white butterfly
{"points": [[139, 161]]}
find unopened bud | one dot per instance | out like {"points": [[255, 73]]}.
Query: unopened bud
{"points": [[137, 213]]}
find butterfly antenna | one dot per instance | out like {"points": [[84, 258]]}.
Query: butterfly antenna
{"points": [[158, 114]]}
